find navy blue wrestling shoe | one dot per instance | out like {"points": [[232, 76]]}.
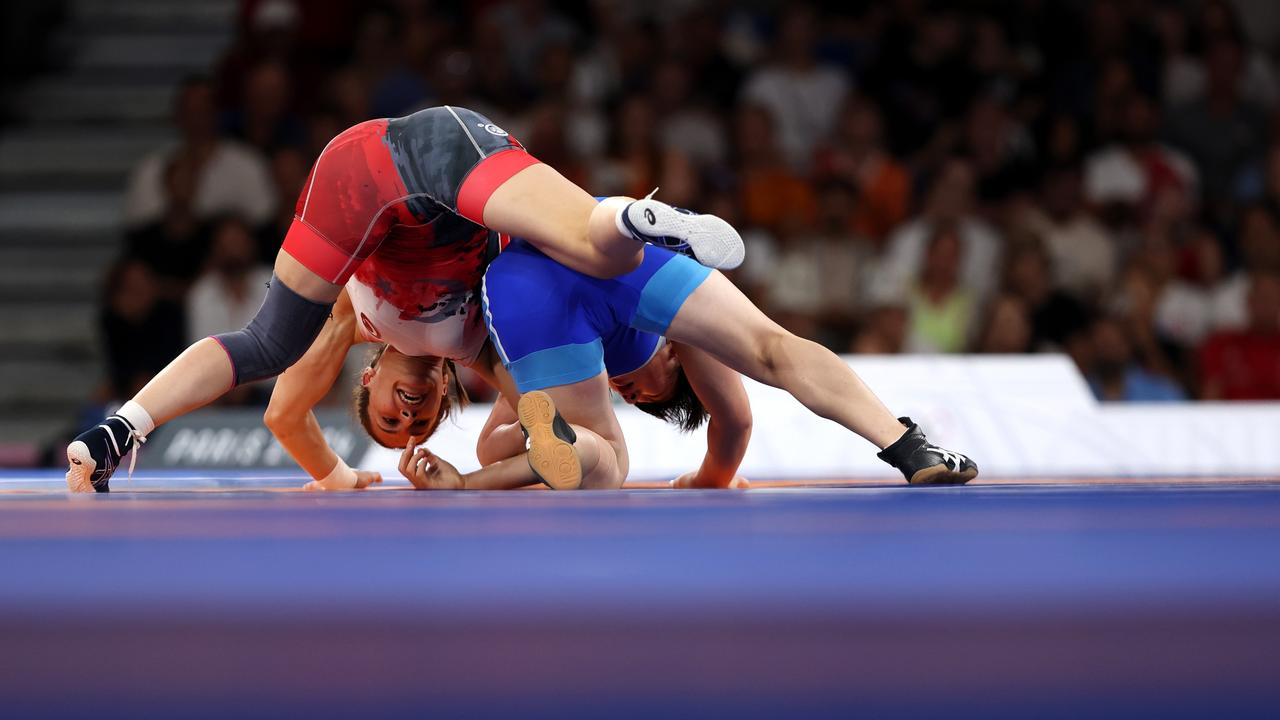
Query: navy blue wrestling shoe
{"points": [[95, 453], [923, 463], [705, 238], [549, 440]]}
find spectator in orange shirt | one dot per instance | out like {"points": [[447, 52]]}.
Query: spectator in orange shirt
{"points": [[771, 192], [856, 155]]}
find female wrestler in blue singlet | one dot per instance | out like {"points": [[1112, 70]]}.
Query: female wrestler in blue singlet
{"points": [[562, 336]]}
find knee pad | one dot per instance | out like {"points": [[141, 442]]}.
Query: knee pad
{"points": [[278, 335]]}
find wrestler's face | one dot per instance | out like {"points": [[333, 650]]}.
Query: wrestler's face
{"points": [[405, 394], [655, 381]]}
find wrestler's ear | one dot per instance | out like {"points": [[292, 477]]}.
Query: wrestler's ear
{"points": [[673, 358]]}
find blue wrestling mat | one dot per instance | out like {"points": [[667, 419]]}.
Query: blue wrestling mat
{"points": [[222, 596]]}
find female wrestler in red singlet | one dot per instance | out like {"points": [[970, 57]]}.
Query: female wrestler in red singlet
{"points": [[444, 183]]}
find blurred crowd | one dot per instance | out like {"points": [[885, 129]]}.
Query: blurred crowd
{"points": [[1100, 178]]}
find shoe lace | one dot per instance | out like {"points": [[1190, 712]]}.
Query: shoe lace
{"points": [[138, 440]]}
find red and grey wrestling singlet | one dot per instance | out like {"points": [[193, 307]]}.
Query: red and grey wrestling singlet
{"points": [[397, 207], [400, 173], [422, 297]]}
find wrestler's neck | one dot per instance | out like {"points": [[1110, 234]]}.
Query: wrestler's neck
{"points": [[417, 368]]}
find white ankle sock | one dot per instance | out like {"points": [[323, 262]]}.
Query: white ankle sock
{"points": [[622, 227], [138, 417], [621, 204]]}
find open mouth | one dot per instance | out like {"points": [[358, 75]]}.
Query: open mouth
{"points": [[409, 398]]}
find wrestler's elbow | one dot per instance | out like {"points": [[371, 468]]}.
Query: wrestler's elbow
{"points": [[485, 452], [278, 420], [736, 423]]}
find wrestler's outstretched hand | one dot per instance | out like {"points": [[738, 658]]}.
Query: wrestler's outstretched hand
{"points": [[693, 481], [363, 479]]}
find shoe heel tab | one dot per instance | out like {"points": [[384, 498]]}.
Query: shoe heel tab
{"points": [[563, 429], [903, 446]]}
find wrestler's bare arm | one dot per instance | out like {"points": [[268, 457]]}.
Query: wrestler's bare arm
{"points": [[289, 415], [729, 430], [500, 438]]}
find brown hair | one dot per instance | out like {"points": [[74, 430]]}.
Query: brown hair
{"points": [[455, 398]]}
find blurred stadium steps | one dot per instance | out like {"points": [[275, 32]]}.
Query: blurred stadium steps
{"points": [[77, 132], [76, 155]]}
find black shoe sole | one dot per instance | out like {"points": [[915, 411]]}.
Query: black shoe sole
{"points": [[553, 458]]}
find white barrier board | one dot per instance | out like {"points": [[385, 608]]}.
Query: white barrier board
{"points": [[1017, 416]]}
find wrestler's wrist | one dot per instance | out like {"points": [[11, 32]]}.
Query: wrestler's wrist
{"points": [[341, 477]]}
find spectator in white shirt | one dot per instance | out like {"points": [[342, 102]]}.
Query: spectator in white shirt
{"points": [[1185, 75], [1127, 178], [949, 205], [227, 295], [803, 97], [1084, 254], [230, 176]]}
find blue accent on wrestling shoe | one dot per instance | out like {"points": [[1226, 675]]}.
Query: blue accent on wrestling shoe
{"points": [[666, 241]]}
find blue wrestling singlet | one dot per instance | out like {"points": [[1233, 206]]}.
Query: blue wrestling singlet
{"points": [[555, 326]]}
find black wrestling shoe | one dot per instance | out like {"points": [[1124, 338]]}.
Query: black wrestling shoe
{"points": [[705, 238], [549, 440], [923, 463], [93, 456]]}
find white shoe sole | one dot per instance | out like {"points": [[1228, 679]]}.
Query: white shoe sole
{"points": [[715, 243], [80, 467]]}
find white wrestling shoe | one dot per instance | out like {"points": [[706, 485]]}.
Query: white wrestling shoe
{"points": [[706, 238], [93, 456]]}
